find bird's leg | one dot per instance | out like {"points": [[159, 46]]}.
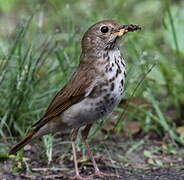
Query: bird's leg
{"points": [[84, 134], [73, 139]]}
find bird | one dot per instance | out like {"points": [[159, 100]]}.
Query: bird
{"points": [[93, 91]]}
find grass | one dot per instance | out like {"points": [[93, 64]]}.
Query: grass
{"points": [[40, 49]]}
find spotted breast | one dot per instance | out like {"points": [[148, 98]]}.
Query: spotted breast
{"points": [[105, 94]]}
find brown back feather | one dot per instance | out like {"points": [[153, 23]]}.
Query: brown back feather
{"points": [[72, 93]]}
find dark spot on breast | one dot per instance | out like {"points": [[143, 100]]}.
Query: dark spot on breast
{"points": [[118, 66], [110, 46], [110, 69], [101, 102], [122, 63], [112, 79], [122, 82], [125, 74], [112, 100], [106, 68], [107, 100], [107, 96], [117, 63], [104, 90], [117, 72], [97, 104], [112, 87], [112, 64]]}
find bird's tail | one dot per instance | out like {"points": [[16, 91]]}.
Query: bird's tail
{"points": [[22, 143]]}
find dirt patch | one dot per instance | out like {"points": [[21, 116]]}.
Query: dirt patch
{"points": [[140, 159]]}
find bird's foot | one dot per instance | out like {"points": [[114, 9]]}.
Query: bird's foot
{"points": [[102, 174], [78, 177]]}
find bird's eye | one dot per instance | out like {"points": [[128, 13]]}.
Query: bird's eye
{"points": [[104, 29]]}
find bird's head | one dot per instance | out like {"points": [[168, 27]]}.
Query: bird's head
{"points": [[105, 35]]}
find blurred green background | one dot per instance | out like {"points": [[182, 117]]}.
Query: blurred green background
{"points": [[40, 48]]}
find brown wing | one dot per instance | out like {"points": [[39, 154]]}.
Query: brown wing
{"points": [[72, 93]]}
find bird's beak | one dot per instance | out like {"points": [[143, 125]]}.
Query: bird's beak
{"points": [[126, 28]]}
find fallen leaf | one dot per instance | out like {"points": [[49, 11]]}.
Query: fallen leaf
{"points": [[180, 130], [150, 161], [132, 127]]}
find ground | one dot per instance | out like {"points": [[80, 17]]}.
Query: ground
{"points": [[131, 158]]}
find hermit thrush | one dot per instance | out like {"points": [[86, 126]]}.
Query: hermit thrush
{"points": [[93, 91]]}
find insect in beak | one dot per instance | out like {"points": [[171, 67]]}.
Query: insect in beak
{"points": [[126, 28]]}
